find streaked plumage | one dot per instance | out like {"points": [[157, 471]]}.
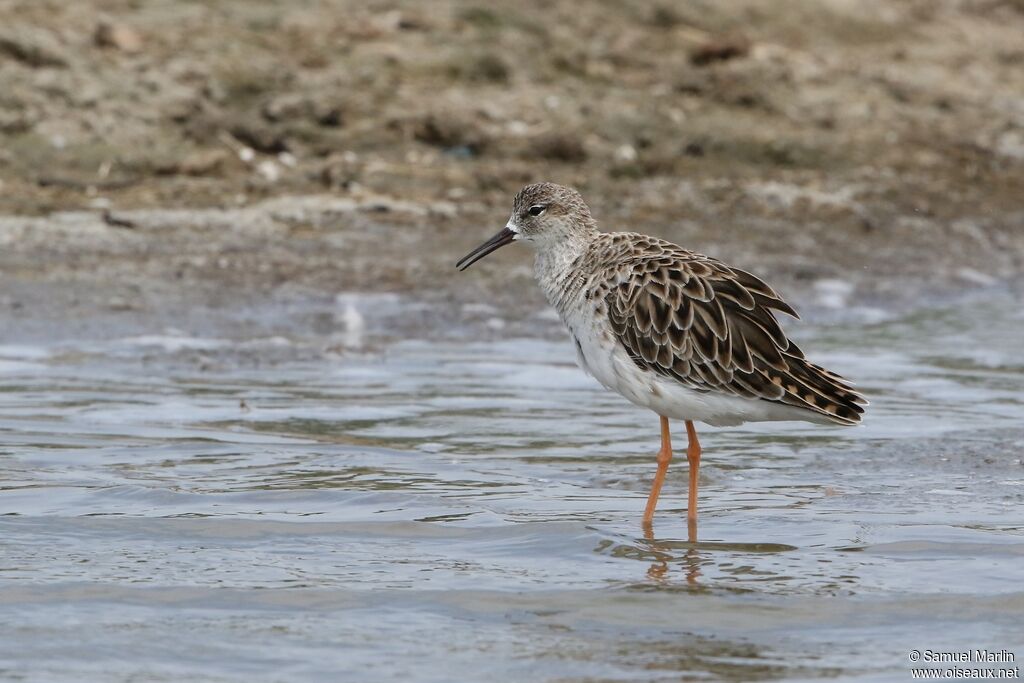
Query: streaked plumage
{"points": [[710, 327], [671, 330]]}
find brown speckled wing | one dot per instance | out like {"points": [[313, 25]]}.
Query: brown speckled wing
{"points": [[713, 328]]}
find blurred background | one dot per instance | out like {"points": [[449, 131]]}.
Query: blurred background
{"points": [[366, 145], [255, 426]]}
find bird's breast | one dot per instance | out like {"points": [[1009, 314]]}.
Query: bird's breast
{"points": [[597, 350]]}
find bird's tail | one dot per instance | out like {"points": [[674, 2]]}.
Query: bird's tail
{"points": [[811, 386]]}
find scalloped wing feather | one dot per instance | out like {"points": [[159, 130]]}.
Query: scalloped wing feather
{"points": [[713, 328]]}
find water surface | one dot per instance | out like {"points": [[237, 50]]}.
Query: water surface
{"points": [[285, 509]]}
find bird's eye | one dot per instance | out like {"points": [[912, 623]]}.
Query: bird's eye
{"points": [[536, 210]]}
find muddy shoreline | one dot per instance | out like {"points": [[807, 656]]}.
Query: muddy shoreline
{"points": [[189, 161], [298, 264]]}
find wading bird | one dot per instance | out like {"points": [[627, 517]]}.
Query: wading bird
{"points": [[671, 330]]}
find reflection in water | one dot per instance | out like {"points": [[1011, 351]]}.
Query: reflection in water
{"points": [[691, 559]]}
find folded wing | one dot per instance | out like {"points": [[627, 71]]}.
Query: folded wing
{"points": [[713, 328]]}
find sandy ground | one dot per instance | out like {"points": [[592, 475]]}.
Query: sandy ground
{"points": [[165, 157]]}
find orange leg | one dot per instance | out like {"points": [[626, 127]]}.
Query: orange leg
{"points": [[693, 456], [664, 458]]}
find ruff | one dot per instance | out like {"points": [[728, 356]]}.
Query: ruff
{"points": [[669, 329]]}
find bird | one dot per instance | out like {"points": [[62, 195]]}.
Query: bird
{"points": [[669, 329]]}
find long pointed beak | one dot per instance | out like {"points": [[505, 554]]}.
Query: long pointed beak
{"points": [[497, 242]]}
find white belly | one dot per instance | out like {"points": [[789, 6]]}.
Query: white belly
{"points": [[601, 356]]}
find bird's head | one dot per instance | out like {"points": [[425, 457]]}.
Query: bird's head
{"points": [[544, 215]]}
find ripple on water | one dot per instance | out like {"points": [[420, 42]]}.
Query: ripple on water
{"points": [[443, 510]]}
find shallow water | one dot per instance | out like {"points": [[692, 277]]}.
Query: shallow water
{"points": [[175, 507]]}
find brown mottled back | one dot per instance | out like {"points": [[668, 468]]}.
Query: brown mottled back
{"points": [[712, 327]]}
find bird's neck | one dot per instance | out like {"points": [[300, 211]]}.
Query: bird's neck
{"points": [[558, 268]]}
